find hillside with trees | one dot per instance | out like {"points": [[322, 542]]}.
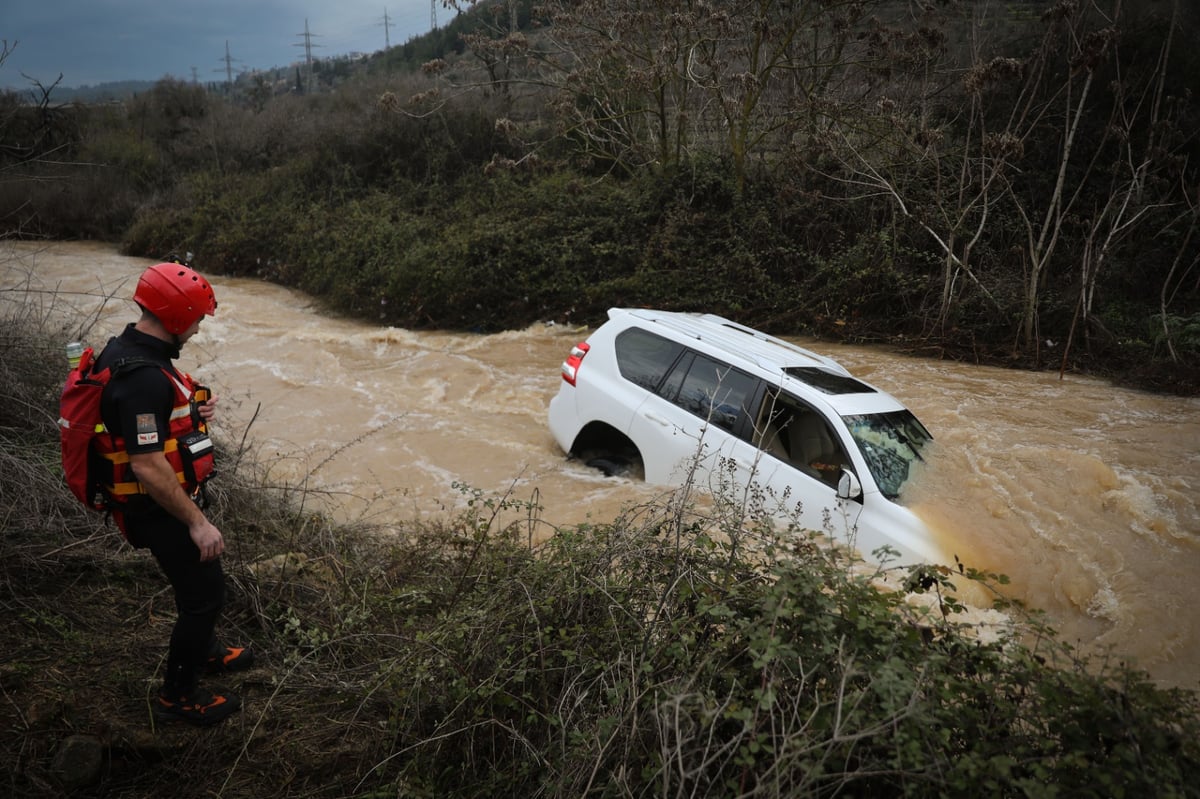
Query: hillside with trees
{"points": [[1008, 182]]}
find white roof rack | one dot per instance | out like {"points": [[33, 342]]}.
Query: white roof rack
{"points": [[736, 340]]}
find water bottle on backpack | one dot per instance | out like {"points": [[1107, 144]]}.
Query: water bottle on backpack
{"points": [[74, 353]]}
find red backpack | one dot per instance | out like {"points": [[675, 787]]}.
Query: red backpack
{"points": [[79, 423]]}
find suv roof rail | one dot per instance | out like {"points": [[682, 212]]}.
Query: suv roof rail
{"points": [[739, 340]]}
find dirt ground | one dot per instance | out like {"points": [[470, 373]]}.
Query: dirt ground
{"points": [[84, 633]]}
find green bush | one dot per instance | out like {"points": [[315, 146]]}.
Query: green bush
{"points": [[676, 657]]}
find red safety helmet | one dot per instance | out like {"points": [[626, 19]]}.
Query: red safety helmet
{"points": [[176, 295]]}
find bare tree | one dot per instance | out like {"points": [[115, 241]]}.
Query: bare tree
{"points": [[954, 174], [1065, 109], [775, 70], [646, 83], [32, 130], [1146, 134], [1186, 259], [935, 152]]}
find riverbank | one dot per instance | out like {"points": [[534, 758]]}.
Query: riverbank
{"points": [[1118, 366], [453, 659]]}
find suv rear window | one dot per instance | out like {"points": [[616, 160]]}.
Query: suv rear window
{"points": [[645, 358]]}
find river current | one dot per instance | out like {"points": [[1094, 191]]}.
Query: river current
{"points": [[1087, 495]]}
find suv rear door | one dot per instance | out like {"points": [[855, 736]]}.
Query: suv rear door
{"points": [[698, 409]]}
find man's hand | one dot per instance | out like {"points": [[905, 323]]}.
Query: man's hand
{"points": [[208, 408], [207, 538]]}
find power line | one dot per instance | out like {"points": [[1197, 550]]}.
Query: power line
{"points": [[308, 46], [228, 59], [387, 25]]}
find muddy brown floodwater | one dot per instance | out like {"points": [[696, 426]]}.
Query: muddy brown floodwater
{"points": [[1085, 494]]}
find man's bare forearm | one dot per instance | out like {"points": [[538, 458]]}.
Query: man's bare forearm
{"points": [[154, 471]]}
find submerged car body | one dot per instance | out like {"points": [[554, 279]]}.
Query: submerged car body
{"points": [[690, 394]]}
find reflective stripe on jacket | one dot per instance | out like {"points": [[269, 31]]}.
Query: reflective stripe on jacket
{"points": [[185, 425]]}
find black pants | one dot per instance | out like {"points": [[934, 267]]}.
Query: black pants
{"points": [[199, 593]]}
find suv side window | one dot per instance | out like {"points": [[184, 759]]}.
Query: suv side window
{"points": [[645, 358], [797, 434], [669, 389], [716, 391]]}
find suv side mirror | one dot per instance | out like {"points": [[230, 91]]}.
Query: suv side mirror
{"points": [[848, 486]]}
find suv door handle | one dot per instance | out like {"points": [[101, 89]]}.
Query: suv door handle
{"points": [[654, 417]]}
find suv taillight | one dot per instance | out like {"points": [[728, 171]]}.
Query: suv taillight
{"points": [[570, 367]]}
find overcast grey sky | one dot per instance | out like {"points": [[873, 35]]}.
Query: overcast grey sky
{"points": [[97, 41]]}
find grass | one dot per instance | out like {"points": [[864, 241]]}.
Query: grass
{"points": [[668, 652]]}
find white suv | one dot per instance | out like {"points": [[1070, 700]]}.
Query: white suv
{"points": [[669, 391]]}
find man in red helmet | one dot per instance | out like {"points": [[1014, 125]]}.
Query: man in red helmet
{"points": [[161, 456]]}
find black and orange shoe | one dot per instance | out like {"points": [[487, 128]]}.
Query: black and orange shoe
{"points": [[229, 658], [200, 707]]}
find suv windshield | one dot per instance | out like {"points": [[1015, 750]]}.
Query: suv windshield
{"points": [[890, 443]]}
